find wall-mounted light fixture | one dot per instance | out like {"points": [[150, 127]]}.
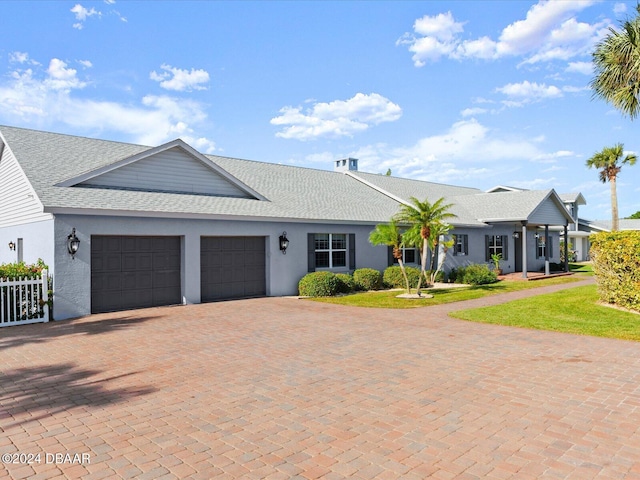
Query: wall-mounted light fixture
{"points": [[73, 243], [515, 235], [284, 243], [12, 245]]}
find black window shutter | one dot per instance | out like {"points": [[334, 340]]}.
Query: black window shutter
{"points": [[390, 256], [311, 252], [352, 251], [455, 245], [465, 239], [550, 246], [486, 248], [505, 247]]}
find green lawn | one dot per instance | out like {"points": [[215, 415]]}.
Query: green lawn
{"points": [[388, 298], [581, 267], [571, 311]]}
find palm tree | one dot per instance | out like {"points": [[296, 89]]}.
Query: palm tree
{"points": [[422, 217], [616, 61], [389, 234], [607, 162]]}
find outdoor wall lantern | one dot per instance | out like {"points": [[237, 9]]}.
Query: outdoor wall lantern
{"points": [[12, 245], [516, 235], [73, 243], [284, 243]]}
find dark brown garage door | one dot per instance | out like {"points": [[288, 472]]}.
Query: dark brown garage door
{"points": [[134, 272], [232, 267]]}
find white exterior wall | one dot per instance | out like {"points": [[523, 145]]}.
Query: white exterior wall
{"points": [[18, 202], [72, 282], [37, 242]]}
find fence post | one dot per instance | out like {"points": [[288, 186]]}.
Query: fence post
{"points": [[45, 295]]}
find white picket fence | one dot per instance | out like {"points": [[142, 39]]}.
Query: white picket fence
{"points": [[24, 300]]}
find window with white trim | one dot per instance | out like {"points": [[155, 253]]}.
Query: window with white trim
{"points": [[330, 250]]}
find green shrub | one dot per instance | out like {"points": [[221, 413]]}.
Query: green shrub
{"points": [[345, 283], [392, 277], [475, 274], [318, 284], [367, 279], [616, 266], [22, 270]]}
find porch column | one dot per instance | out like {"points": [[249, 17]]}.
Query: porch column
{"points": [[546, 250], [566, 248], [524, 249]]}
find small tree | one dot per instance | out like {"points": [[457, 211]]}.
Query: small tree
{"points": [[389, 234], [422, 218]]}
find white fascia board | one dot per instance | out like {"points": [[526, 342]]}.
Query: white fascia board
{"points": [[198, 216]]}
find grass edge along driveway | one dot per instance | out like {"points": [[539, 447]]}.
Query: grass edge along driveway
{"points": [[389, 298], [575, 311]]}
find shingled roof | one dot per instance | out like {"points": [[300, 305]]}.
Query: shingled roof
{"points": [[51, 161]]}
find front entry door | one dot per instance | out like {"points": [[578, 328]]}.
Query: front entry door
{"points": [[518, 253]]}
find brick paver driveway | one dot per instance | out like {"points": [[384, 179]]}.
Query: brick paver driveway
{"points": [[283, 388]]}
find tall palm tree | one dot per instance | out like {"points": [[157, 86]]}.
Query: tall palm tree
{"points": [[422, 217], [390, 235], [607, 161], [616, 61]]}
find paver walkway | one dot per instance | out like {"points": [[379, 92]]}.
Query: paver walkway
{"points": [[279, 388]]}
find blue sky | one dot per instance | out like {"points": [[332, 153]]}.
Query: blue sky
{"points": [[473, 93]]}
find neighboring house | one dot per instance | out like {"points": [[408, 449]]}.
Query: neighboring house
{"points": [[596, 226], [169, 225]]}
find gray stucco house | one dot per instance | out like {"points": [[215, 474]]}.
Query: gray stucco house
{"points": [[168, 225]]}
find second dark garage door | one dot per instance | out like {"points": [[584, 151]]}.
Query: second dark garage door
{"points": [[232, 267], [134, 272]]}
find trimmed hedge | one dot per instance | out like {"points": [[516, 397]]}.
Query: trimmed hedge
{"points": [[475, 274], [616, 266], [392, 277], [318, 284], [346, 283], [367, 279]]}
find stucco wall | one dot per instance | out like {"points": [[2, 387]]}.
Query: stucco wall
{"points": [[477, 248], [72, 283]]}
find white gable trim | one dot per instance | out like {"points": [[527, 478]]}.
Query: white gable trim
{"points": [[178, 143]]}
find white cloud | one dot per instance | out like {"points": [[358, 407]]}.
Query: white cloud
{"points": [[586, 68], [553, 157], [527, 92], [467, 150], [336, 119], [44, 99], [549, 32], [21, 58], [85, 63], [180, 80], [470, 112], [619, 8], [61, 77], [81, 13], [535, 184]]}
